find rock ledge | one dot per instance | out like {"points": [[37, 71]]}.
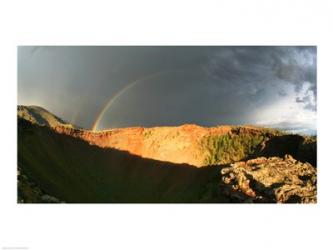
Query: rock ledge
{"points": [[269, 180]]}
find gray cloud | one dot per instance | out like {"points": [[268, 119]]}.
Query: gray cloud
{"points": [[207, 85], [255, 69], [300, 100]]}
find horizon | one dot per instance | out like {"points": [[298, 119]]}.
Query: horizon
{"points": [[175, 126], [99, 88]]}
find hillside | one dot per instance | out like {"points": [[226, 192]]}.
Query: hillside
{"points": [[74, 171], [161, 164], [200, 146], [40, 116]]}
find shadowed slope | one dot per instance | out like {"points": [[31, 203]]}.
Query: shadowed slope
{"points": [[74, 171]]}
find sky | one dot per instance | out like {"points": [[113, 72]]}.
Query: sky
{"points": [[105, 87]]}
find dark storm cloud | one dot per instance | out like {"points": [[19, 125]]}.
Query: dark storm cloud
{"points": [[204, 85], [256, 67]]}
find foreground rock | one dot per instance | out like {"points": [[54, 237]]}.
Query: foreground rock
{"points": [[29, 192], [269, 180]]}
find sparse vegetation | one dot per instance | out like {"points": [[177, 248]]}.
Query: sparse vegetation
{"points": [[230, 148], [147, 133]]}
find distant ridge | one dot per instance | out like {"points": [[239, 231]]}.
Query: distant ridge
{"points": [[41, 117]]}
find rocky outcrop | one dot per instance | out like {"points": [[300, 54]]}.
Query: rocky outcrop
{"points": [[29, 192], [174, 144], [199, 146], [269, 180], [183, 144]]}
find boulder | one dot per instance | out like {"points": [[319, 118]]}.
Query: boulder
{"points": [[269, 180]]}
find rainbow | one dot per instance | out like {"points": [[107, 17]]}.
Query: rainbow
{"points": [[121, 92]]}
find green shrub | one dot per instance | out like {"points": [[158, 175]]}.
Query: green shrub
{"points": [[147, 133], [229, 148]]}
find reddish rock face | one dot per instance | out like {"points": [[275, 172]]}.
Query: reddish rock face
{"points": [[174, 144], [183, 144]]}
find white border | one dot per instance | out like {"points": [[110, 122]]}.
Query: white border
{"points": [[258, 22]]}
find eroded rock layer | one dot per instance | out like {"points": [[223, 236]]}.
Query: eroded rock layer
{"points": [[273, 179]]}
